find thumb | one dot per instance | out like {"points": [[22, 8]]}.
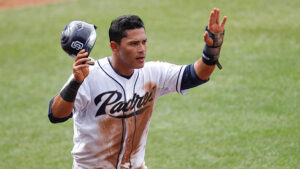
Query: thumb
{"points": [[207, 39]]}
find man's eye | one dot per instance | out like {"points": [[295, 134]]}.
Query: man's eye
{"points": [[134, 43]]}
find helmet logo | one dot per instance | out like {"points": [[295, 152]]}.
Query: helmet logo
{"points": [[77, 45], [79, 26]]}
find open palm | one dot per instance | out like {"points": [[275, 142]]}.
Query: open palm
{"points": [[214, 26]]}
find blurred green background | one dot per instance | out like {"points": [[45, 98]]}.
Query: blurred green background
{"points": [[247, 116]]}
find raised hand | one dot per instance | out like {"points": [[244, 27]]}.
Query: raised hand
{"points": [[214, 26], [81, 66]]}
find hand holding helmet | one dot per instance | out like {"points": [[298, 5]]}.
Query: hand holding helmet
{"points": [[77, 40]]}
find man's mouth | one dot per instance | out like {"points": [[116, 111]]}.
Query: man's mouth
{"points": [[141, 59]]}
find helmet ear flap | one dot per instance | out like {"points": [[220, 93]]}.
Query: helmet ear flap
{"points": [[78, 35]]}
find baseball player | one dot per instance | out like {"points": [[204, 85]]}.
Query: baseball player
{"points": [[112, 101]]}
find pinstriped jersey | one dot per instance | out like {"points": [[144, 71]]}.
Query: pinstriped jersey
{"points": [[112, 113]]}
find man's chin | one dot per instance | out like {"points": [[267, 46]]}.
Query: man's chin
{"points": [[140, 65]]}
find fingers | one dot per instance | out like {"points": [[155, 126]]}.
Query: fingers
{"points": [[217, 12], [80, 70], [210, 23], [214, 21], [207, 39], [81, 54], [212, 18], [224, 21], [81, 66], [82, 58], [81, 61], [91, 61]]}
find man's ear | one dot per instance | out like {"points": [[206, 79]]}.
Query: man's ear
{"points": [[114, 46]]}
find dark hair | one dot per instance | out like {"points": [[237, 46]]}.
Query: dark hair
{"points": [[121, 24]]}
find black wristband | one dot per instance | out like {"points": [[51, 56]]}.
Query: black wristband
{"points": [[69, 92], [209, 58]]}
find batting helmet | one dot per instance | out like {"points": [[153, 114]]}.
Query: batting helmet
{"points": [[78, 35]]}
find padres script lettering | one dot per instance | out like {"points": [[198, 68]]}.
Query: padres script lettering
{"points": [[118, 106]]}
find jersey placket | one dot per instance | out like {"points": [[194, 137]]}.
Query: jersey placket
{"points": [[129, 124]]}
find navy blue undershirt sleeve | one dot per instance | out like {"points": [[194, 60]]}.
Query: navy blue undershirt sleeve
{"points": [[190, 78], [54, 119]]}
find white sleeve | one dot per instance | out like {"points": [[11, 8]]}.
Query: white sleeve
{"points": [[83, 96], [169, 77]]}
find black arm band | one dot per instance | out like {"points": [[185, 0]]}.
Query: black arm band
{"points": [[54, 119], [209, 53], [190, 78], [69, 92]]}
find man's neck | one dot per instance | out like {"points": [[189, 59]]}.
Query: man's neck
{"points": [[120, 68]]}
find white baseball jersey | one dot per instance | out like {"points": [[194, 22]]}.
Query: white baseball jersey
{"points": [[112, 113]]}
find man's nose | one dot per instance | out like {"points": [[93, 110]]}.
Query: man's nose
{"points": [[142, 48]]}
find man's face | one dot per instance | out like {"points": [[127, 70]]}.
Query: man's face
{"points": [[132, 49]]}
